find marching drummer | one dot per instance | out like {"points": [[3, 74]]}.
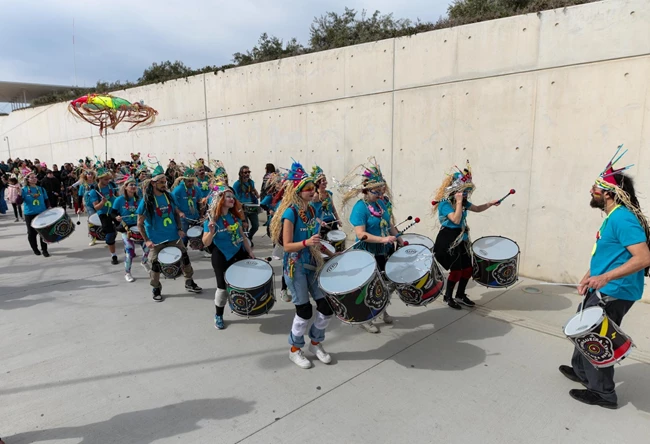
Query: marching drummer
{"points": [[34, 203], [370, 218], [159, 222], [452, 245], [124, 212], [246, 193], [101, 198], [619, 261], [296, 231], [323, 202], [186, 198], [224, 231]]}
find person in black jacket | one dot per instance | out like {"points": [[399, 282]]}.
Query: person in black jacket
{"points": [[53, 187]]}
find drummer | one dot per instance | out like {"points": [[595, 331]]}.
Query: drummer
{"points": [[296, 231], [246, 193], [186, 197], [224, 231], [159, 223], [102, 201], [323, 203], [88, 183], [452, 247], [34, 203], [370, 218], [619, 262], [124, 212]]}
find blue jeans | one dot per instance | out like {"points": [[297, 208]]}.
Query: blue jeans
{"points": [[302, 285]]}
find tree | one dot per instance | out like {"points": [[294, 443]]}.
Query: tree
{"points": [[268, 48], [164, 71]]}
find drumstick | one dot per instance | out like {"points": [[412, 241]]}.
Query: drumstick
{"points": [[405, 220], [363, 238], [512, 191], [416, 221]]}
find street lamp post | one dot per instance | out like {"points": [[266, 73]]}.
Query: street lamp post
{"points": [[8, 146]]}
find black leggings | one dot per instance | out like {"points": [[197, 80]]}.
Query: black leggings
{"points": [[18, 209], [220, 264], [32, 233]]}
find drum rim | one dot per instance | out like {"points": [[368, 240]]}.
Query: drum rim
{"points": [[250, 288], [492, 259], [318, 276], [196, 228], [95, 215], [170, 263], [425, 249], [577, 315], [345, 236], [405, 236], [59, 210]]}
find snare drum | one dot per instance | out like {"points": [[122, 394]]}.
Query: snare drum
{"points": [[417, 278], [53, 225], [598, 338], [353, 287], [170, 262], [95, 227], [195, 238], [327, 246], [337, 239], [418, 239], [134, 234], [249, 283], [495, 261]]}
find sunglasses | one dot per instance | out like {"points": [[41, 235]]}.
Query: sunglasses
{"points": [[377, 193], [308, 188], [132, 185]]}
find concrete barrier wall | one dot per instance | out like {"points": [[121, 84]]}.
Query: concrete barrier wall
{"points": [[536, 102]]}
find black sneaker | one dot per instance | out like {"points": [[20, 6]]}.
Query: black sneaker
{"points": [[592, 398], [191, 286], [45, 253], [569, 373], [37, 253], [114, 260], [465, 301], [453, 304], [156, 294]]}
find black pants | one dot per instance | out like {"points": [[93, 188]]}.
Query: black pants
{"points": [[32, 233], [600, 380], [18, 209], [220, 264]]}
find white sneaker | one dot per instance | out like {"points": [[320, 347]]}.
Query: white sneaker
{"points": [[128, 277], [206, 254], [370, 327], [388, 319], [320, 353], [298, 358], [285, 296], [92, 242]]}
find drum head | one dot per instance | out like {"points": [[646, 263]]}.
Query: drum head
{"points": [[336, 236], [134, 229], [418, 239], [495, 248], [94, 219], [47, 217], [347, 272], [409, 264], [195, 231], [169, 255], [329, 246], [249, 273], [590, 317]]}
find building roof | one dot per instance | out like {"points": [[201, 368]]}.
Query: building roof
{"points": [[18, 92]]}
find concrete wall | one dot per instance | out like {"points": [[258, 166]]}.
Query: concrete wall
{"points": [[536, 102]]}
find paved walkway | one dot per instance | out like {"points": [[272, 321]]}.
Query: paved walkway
{"points": [[89, 358]]}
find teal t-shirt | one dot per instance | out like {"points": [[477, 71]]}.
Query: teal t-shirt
{"points": [[109, 193], [445, 208], [324, 208], [377, 224], [619, 230], [227, 237], [127, 209], [301, 231], [244, 191], [33, 200], [203, 186], [187, 200], [161, 225]]}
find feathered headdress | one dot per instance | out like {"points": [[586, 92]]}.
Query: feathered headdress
{"points": [[158, 171], [363, 177], [298, 176], [606, 180], [317, 173], [457, 181], [219, 170]]}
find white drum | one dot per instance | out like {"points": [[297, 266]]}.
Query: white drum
{"points": [[418, 239], [249, 283], [53, 225], [417, 278], [170, 262], [495, 261], [353, 287], [195, 237], [337, 239], [95, 227], [94, 219]]}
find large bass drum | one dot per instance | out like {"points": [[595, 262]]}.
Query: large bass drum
{"points": [[417, 278]]}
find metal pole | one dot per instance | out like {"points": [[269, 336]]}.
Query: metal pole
{"points": [[105, 144], [8, 146]]}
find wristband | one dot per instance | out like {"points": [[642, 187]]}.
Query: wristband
{"points": [[304, 243]]}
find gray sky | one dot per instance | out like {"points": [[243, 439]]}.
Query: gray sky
{"points": [[117, 40]]}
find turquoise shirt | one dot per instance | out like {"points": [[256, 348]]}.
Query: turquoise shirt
{"points": [[187, 200], [619, 230], [244, 191], [203, 187], [109, 193], [301, 231], [161, 225], [377, 224], [127, 209], [33, 200], [445, 208], [227, 237], [325, 209]]}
